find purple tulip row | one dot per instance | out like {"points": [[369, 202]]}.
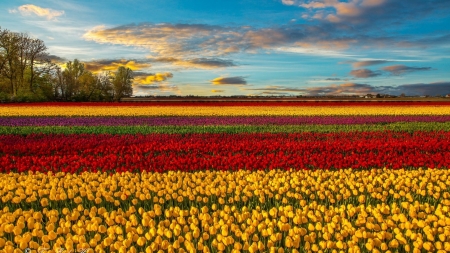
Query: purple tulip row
{"points": [[180, 121]]}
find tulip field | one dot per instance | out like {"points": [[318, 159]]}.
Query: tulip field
{"points": [[225, 177]]}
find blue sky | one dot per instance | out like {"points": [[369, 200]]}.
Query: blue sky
{"points": [[250, 47]]}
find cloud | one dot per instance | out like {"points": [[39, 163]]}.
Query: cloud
{"points": [[239, 80], [165, 40], [30, 9], [432, 89], [203, 63], [333, 79], [201, 44], [211, 63], [334, 89], [402, 69], [288, 2], [273, 93], [364, 73], [142, 90], [363, 12], [419, 89], [360, 64], [113, 65], [144, 79], [52, 58], [352, 26], [276, 88]]}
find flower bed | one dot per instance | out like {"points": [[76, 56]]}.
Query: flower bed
{"points": [[225, 177]]}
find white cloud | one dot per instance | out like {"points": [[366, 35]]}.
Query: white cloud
{"points": [[30, 9], [315, 51], [288, 2]]}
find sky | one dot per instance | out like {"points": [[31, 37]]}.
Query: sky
{"points": [[249, 47]]}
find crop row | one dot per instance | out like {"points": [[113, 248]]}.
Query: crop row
{"points": [[278, 211], [90, 111], [190, 152], [230, 129], [199, 121], [228, 103]]}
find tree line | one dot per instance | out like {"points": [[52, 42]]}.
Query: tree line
{"points": [[27, 74]]}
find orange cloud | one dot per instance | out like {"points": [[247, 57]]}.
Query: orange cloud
{"points": [[402, 69], [352, 10], [152, 78], [113, 65], [203, 63], [217, 91], [30, 9], [234, 80], [364, 73], [360, 64]]}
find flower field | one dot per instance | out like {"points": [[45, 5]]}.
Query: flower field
{"points": [[225, 177]]}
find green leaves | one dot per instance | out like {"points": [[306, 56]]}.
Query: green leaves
{"points": [[397, 127]]}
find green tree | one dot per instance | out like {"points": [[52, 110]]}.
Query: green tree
{"points": [[9, 47], [122, 80], [19, 57], [71, 84]]}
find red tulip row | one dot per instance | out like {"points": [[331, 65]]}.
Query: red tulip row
{"points": [[162, 152]]}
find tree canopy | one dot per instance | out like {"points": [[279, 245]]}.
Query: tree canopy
{"points": [[27, 74]]}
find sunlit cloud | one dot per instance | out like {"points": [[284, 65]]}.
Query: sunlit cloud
{"points": [[363, 12], [360, 64], [200, 44], [310, 50], [204, 46], [217, 91], [144, 78], [364, 73], [30, 9], [163, 40], [402, 69], [113, 65], [52, 58], [203, 63], [288, 2], [234, 80]]}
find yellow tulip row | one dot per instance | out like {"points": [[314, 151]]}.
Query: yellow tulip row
{"points": [[229, 229], [376, 210], [238, 188], [224, 110]]}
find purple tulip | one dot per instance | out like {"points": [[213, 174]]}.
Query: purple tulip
{"points": [[181, 121]]}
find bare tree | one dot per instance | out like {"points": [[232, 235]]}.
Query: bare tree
{"points": [[36, 53], [104, 84], [3, 34]]}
